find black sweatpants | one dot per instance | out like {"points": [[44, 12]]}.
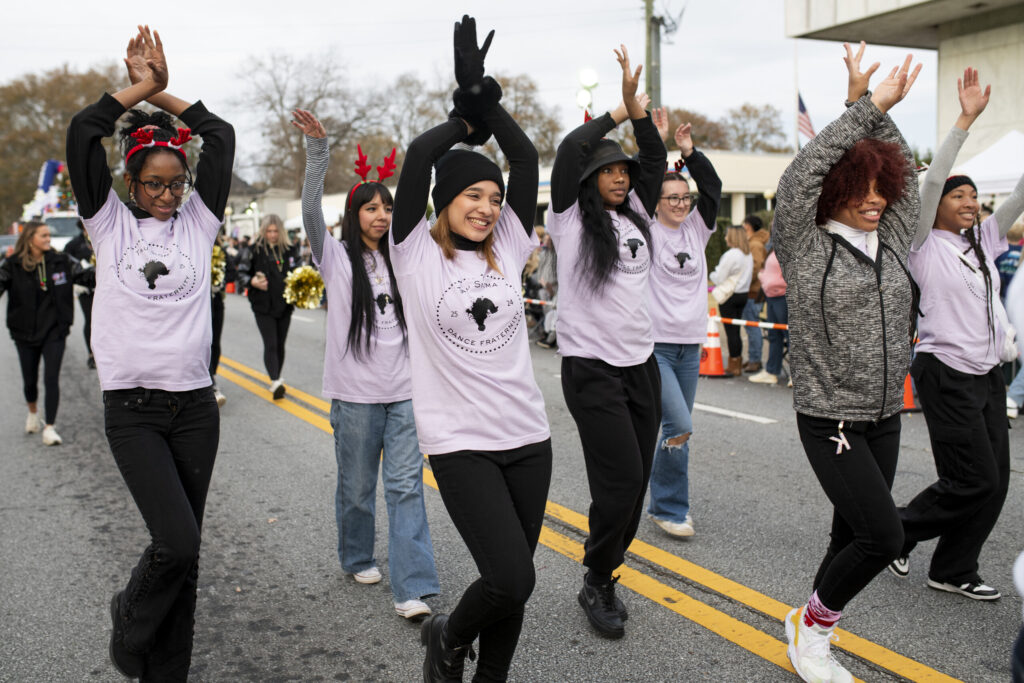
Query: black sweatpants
{"points": [[164, 444], [51, 351], [618, 415], [217, 312], [733, 308], [274, 332], [967, 425], [496, 500], [866, 531]]}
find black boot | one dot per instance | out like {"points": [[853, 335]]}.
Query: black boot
{"points": [[442, 664], [127, 663], [603, 608]]}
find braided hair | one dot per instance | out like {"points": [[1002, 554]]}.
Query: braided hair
{"points": [[599, 248], [975, 245]]}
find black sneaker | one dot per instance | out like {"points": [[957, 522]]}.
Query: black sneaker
{"points": [[900, 566], [602, 608], [975, 590], [127, 663], [442, 664]]}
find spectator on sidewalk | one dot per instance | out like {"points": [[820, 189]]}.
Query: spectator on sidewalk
{"points": [[756, 238]]}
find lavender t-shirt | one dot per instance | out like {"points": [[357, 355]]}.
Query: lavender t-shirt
{"points": [[151, 323], [954, 325], [382, 376], [678, 285], [472, 379], [615, 325]]}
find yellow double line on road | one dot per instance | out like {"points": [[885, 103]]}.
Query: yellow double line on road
{"points": [[734, 630]]}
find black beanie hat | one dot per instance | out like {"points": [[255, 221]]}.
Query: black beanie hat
{"points": [[456, 170], [955, 181]]}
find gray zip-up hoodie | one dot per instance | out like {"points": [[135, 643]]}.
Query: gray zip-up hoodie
{"points": [[849, 317]]}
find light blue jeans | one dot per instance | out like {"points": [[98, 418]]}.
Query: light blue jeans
{"points": [[752, 311], [361, 432], [670, 481]]}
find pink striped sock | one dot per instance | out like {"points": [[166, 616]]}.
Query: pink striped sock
{"points": [[817, 613]]}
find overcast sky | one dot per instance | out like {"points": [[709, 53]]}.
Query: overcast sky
{"points": [[725, 53]]}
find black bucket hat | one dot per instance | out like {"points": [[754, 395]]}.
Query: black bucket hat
{"points": [[606, 152]]}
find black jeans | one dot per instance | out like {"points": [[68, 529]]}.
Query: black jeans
{"points": [[733, 308], [967, 425], [165, 444], [866, 531], [86, 302], [217, 312], [618, 415], [51, 351], [496, 500], [274, 332]]}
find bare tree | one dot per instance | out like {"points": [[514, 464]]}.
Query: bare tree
{"points": [[754, 128]]}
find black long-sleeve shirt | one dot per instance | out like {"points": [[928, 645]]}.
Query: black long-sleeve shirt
{"points": [[571, 158], [87, 159], [427, 148], [709, 185]]}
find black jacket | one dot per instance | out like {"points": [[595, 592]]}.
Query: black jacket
{"points": [[262, 260], [32, 311]]}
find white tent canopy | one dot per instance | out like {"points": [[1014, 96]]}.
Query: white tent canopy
{"points": [[997, 170]]}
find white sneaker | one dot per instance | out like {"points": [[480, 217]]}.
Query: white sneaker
{"points": [[221, 398], [51, 437], [371, 575], [682, 529], [33, 424], [1012, 409], [764, 377], [277, 389], [413, 609], [809, 651]]}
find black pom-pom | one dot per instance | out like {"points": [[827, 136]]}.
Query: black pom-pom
{"points": [[479, 99]]}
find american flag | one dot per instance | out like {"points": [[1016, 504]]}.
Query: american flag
{"points": [[803, 120]]}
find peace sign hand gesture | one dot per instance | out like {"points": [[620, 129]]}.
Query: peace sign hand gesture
{"points": [[308, 124]]}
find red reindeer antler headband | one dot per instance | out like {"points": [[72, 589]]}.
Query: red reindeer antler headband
{"points": [[144, 136], [363, 169]]}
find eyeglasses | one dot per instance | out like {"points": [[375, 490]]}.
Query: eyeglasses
{"points": [[677, 199], [155, 189]]}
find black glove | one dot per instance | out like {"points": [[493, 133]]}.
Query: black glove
{"points": [[477, 100], [481, 131], [469, 59]]}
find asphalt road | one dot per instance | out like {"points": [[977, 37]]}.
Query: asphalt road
{"points": [[274, 605]]}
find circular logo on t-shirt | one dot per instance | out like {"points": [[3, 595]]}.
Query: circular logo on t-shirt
{"points": [[634, 252], [480, 314], [676, 261], [157, 271], [973, 279]]}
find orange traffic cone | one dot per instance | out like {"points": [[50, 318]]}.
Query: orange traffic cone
{"points": [[909, 405], [711, 353]]}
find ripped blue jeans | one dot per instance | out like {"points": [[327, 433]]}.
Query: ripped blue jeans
{"points": [[679, 365]]}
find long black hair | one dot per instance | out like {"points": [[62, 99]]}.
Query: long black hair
{"points": [[164, 131], [972, 239], [360, 328], [599, 248]]}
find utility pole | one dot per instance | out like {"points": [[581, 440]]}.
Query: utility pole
{"points": [[652, 57]]}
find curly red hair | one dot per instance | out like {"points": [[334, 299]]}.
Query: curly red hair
{"points": [[849, 179]]}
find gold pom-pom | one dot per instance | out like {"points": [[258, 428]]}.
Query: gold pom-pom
{"points": [[218, 264], [304, 287]]}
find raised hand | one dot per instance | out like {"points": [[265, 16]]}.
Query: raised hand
{"points": [[630, 83], [973, 99], [153, 53], [683, 139], [896, 86], [660, 118], [308, 124], [135, 60], [469, 58], [859, 80]]}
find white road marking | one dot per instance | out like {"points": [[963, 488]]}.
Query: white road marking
{"points": [[732, 413]]}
